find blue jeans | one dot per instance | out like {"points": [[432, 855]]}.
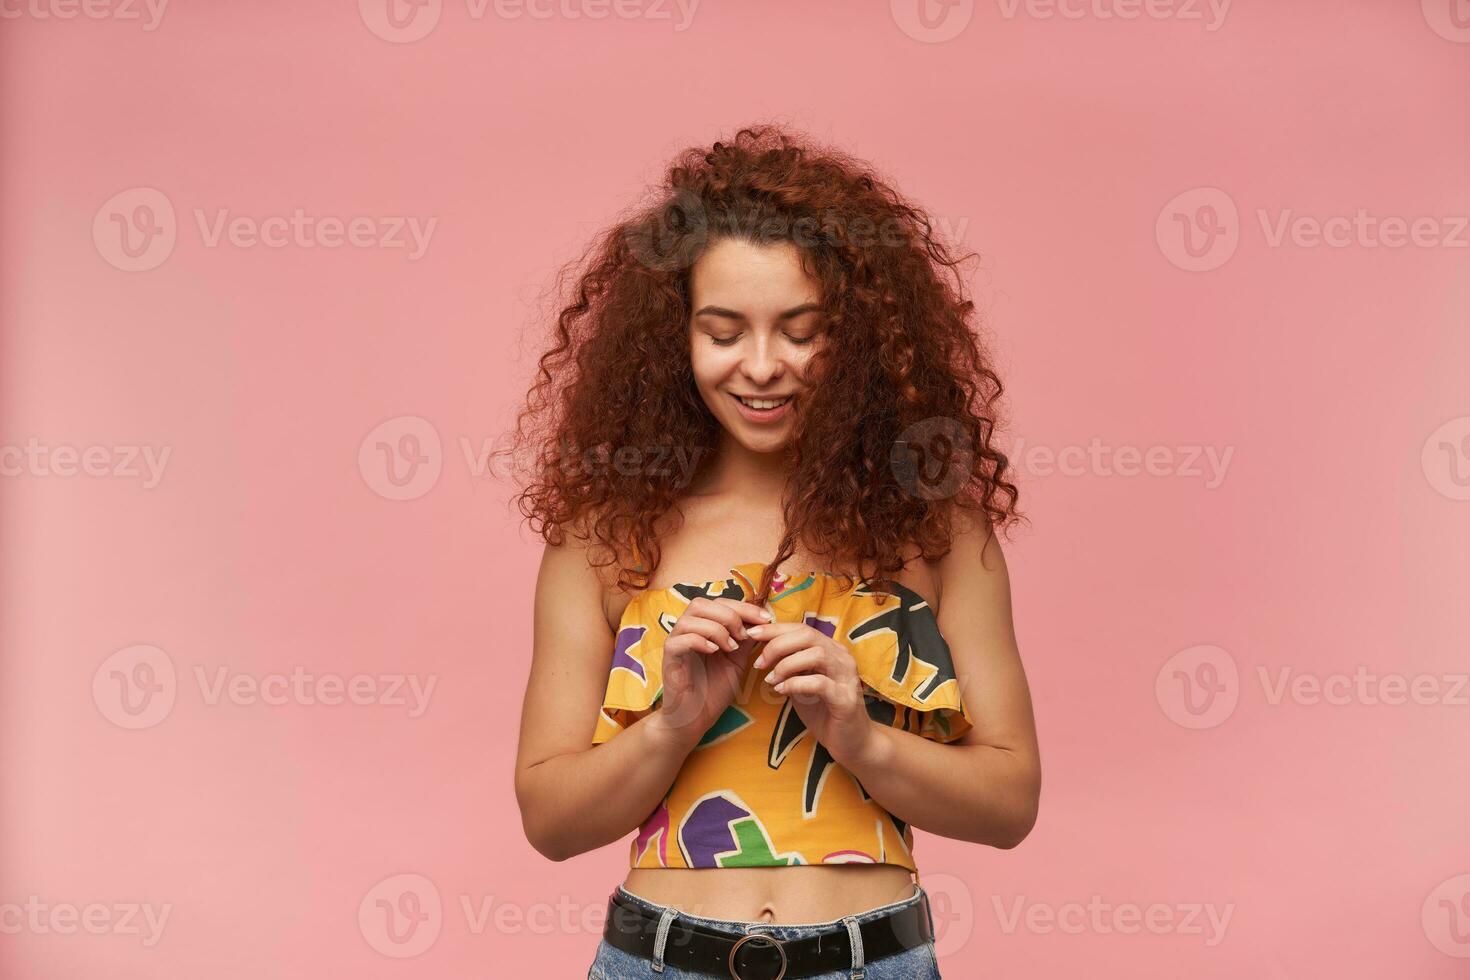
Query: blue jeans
{"points": [[918, 963]]}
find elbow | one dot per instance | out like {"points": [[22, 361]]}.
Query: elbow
{"points": [[540, 832], [549, 844], [1018, 829], [548, 848], [1022, 813]]}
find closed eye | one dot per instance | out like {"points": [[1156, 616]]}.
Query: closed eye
{"points": [[728, 341]]}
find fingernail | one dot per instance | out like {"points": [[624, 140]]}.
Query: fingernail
{"points": [[769, 679], [734, 643], [759, 661], [754, 631], [767, 613]]}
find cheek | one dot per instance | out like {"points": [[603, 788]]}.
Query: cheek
{"points": [[706, 362], [801, 365]]}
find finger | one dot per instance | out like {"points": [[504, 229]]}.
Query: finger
{"points": [[818, 687], [808, 660], [749, 611], [781, 639], [720, 612], [769, 631], [689, 642], [709, 629]]}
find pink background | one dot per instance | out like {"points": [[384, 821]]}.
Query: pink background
{"points": [[1333, 835]]}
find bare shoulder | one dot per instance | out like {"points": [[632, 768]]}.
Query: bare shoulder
{"points": [[974, 552], [977, 621], [570, 656], [568, 578]]}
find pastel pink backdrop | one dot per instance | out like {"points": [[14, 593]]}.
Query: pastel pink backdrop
{"points": [[1331, 835]]}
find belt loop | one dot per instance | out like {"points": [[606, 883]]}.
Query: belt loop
{"points": [[855, 937], [665, 919]]}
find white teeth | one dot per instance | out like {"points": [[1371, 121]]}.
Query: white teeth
{"points": [[760, 403]]}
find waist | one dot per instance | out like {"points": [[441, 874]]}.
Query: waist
{"points": [[798, 894]]}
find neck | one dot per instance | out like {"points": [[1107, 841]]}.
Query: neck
{"points": [[755, 476]]}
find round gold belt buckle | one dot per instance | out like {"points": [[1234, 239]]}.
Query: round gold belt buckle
{"points": [[757, 935]]}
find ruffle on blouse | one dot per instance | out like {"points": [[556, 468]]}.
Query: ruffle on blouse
{"points": [[902, 657]]}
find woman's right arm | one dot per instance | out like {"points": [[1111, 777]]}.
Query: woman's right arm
{"points": [[575, 796]]}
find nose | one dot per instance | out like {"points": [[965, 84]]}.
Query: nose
{"points": [[762, 364]]}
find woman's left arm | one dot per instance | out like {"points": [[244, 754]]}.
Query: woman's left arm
{"points": [[983, 787]]}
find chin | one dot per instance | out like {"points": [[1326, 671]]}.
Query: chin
{"points": [[763, 443]]}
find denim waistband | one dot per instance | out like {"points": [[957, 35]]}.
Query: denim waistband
{"points": [[780, 930]]}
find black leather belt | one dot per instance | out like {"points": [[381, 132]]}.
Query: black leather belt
{"points": [[757, 955]]}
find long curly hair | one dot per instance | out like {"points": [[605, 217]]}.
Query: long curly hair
{"points": [[893, 431]]}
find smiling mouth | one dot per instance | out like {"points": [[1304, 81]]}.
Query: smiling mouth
{"points": [[761, 404]]}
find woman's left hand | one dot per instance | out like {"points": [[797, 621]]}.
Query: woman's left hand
{"points": [[820, 677]]}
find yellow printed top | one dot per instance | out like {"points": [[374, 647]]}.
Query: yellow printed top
{"points": [[758, 790]]}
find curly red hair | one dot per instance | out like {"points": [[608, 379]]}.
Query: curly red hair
{"points": [[894, 430]]}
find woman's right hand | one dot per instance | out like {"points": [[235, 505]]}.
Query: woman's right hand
{"points": [[704, 657]]}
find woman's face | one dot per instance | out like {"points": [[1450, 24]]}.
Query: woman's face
{"points": [[754, 327]]}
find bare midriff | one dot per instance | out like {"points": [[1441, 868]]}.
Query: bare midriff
{"points": [[786, 895]]}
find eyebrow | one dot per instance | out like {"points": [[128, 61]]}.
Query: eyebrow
{"points": [[795, 311]]}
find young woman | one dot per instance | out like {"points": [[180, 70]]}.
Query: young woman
{"points": [[772, 621]]}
